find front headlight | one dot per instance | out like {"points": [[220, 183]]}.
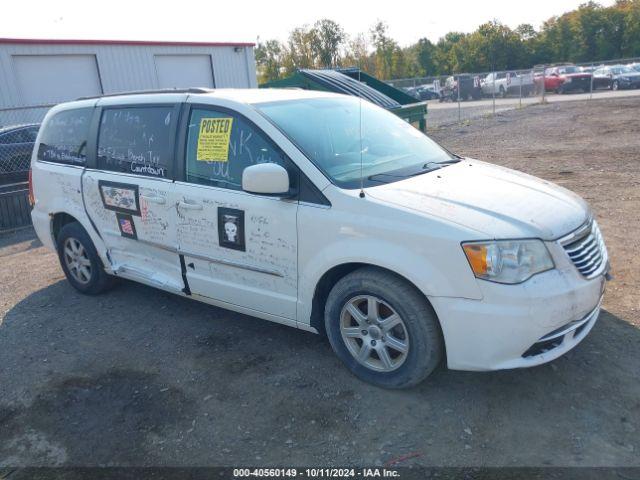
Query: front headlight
{"points": [[507, 261]]}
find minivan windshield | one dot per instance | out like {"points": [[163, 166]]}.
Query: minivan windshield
{"points": [[336, 132]]}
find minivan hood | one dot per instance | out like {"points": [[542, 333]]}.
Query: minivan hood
{"points": [[494, 201]]}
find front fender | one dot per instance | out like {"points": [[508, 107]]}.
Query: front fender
{"points": [[430, 278]]}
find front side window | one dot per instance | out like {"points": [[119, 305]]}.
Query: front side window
{"points": [[349, 140], [220, 145], [137, 140], [64, 138]]}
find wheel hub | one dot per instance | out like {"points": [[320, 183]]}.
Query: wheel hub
{"points": [[375, 332]]}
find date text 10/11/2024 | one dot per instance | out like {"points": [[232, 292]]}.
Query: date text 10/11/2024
{"points": [[316, 473]]}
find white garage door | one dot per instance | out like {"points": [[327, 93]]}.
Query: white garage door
{"points": [[45, 79], [183, 71]]}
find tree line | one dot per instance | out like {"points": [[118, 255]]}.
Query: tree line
{"points": [[589, 33]]}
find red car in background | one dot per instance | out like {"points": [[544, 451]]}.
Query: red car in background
{"points": [[564, 78]]}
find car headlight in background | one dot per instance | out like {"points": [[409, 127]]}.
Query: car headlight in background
{"points": [[507, 261], [567, 80]]}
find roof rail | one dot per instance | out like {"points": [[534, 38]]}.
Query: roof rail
{"points": [[144, 92]]}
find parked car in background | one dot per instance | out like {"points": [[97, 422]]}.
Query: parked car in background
{"points": [[469, 88], [16, 145], [423, 92], [615, 77], [428, 92], [413, 91], [507, 83], [565, 78]]}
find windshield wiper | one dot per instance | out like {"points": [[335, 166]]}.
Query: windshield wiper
{"points": [[426, 168], [444, 163], [385, 177], [411, 171]]}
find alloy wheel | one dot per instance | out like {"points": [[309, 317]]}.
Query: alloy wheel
{"points": [[77, 260], [374, 333]]}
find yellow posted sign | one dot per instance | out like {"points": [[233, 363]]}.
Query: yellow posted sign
{"points": [[213, 139]]}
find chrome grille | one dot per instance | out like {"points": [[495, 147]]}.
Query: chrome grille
{"points": [[586, 250]]}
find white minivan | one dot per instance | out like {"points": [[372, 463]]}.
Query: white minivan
{"points": [[322, 212]]}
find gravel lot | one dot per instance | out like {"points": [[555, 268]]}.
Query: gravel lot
{"points": [[141, 377]]}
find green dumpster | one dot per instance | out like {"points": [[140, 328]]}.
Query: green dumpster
{"points": [[352, 81]]}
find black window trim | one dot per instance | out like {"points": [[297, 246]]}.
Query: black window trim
{"points": [[181, 153], [94, 137]]}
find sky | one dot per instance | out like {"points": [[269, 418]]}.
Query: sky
{"points": [[246, 20]]}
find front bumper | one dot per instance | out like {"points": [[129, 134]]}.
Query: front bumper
{"points": [[516, 326], [575, 85]]}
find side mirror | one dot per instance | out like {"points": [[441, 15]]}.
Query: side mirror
{"points": [[266, 179]]}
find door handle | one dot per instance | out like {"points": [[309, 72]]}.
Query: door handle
{"points": [[154, 199], [189, 206]]}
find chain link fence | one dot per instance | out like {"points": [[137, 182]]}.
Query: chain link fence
{"points": [[18, 130], [463, 97]]}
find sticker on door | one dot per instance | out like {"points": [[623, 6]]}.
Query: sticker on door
{"points": [[120, 197], [231, 228], [126, 225]]}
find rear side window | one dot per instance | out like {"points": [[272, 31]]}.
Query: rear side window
{"points": [[137, 140], [64, 138]]}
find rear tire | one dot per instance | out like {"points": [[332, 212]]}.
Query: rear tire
{"points": [[383, 329], [80, 261]]}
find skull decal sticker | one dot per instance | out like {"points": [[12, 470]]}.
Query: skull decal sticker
{"points": [[231, 228]]}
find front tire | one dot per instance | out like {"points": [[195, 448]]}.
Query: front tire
{"points": [[80, 261], [383, 329]]}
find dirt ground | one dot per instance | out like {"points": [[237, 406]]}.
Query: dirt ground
{"points": [[141, 377]]}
